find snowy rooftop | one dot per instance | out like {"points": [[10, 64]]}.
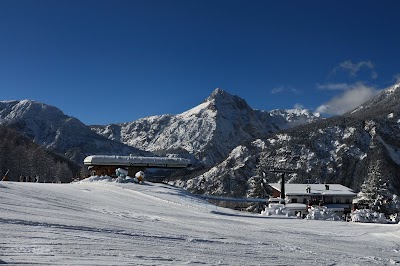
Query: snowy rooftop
{"points": [[316, 189], [166, 162]]}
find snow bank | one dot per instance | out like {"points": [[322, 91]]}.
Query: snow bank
{"points": [[91, 179], [97, 179]]}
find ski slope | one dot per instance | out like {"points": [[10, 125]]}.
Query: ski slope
{"points": [[107, 223]]}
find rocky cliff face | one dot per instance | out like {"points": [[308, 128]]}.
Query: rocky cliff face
{"points": [[207, 132]]}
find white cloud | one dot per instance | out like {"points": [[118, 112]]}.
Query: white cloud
{"points": [[283, 89], [333, 86], [356, 95], [354, 68], [277, 90], [397, 78], [298, 106]]}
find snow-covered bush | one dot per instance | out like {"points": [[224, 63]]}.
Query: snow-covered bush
{"points": [[278, 209], [322, 213], [368, 216], [395, 217]]}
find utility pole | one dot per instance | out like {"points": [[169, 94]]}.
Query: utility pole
{"points": [[282, 171]]}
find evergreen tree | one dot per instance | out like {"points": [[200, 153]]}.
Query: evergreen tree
{"points": [[258, 189], [23, 157], [63, 173], [374, 190], [258, 186]]}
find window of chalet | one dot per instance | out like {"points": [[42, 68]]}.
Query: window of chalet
{"points": [[328, 199], [294, 200], [337, 200]]}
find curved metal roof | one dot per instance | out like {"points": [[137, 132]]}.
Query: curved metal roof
{"points": [[152, 162]]}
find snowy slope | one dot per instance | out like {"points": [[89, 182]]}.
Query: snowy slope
{"points": [[154, 224], [209, 131], [50, 127]]}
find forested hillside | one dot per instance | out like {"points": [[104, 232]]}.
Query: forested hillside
{"points": [[22, 157], [50, 127]]}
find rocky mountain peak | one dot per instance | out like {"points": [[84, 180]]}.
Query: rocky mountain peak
{"points": [[223, 99], [393, 89], [218, 93], [10, 110]]}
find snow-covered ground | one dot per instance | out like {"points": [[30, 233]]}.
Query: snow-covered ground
{"points": [[104, 223]]}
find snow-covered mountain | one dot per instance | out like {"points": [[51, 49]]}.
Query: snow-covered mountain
{"points": [[207, 132], [344, 149], [50, 127], [386, 103]]}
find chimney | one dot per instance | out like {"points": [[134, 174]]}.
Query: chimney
{"points": [[327, 187]]}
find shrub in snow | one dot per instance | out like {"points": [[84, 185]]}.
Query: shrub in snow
{"points": [[120, 172], [395, 217], [322, 213], [278, 209], [368, 216], [120, 179]]}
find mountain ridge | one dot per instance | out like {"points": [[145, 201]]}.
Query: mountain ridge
{"points": [[206, 132], [229, 139], [343, 149]]}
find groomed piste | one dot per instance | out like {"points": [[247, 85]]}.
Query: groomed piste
{"points": [[97, 222]]}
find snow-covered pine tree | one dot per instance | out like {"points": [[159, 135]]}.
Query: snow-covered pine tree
{"points": [[258, 187], [374, 190], [257, 190], [63, 173]]}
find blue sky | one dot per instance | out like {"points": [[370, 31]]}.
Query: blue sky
{"points": [[116, 61]]}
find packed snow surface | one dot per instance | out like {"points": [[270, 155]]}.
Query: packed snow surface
{"points": [[108, 223]]}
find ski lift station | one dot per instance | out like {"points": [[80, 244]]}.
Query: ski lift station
{"points": [[107, 164]]}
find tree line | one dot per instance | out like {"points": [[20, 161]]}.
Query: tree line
{"points": [[21, 157]]}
